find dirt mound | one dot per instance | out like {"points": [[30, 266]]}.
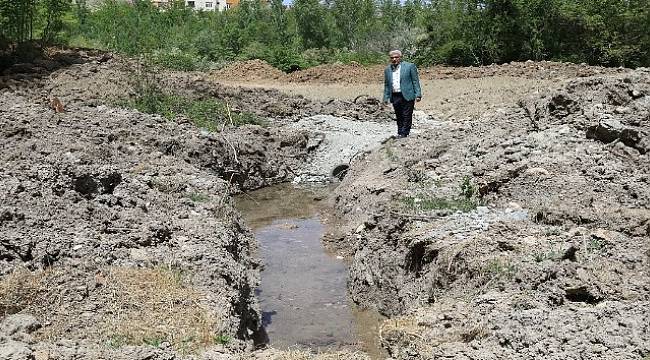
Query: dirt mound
{"points": [[339, 73], [537, 212], [251, 70], [354, 73], [543, 70], [117, 79], [96, 196]]}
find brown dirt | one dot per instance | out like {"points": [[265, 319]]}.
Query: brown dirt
{"points": [[258, 71], [253, 70]]}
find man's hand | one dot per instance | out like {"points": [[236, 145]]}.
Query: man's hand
{"points": [[418, 99]]}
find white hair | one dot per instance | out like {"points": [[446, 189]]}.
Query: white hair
{"points": [[396, 52]]}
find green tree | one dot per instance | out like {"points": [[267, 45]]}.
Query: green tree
{"points": [[354, 20], [312, 27]]}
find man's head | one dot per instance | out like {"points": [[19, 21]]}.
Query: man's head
{"points": [[395, 57]]}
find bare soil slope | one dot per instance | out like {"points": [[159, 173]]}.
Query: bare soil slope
{"points": [[521, 234]]}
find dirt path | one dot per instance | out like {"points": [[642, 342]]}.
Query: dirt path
{"points": [[441, 98]]}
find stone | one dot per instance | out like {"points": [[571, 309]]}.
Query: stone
{"points": [[14, 350], [19, 323], [606, 131]]}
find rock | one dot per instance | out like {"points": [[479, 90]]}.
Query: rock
{"points": [[19, 323], [536, 171], [14, 350], [634, 138], [606, 131], [41, 355]]}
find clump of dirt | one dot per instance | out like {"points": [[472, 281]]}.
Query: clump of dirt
{"points": [[250, 70], [518, 232]]}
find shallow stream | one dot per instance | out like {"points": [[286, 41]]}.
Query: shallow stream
{"points": [[303, 285]]}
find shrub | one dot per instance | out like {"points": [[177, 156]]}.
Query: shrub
{"points": [[457, 53]]}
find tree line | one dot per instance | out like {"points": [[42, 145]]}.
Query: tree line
{"points": [[311, 32]]}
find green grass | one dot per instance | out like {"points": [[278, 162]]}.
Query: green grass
{"points": [[154, 341], [198, 197], [423, 203], [466, 200], [210, 115], [501, 268], [221, 339]]}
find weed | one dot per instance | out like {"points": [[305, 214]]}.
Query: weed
{"points": [[595, 244], [548, 255], [198, 197], [390, 154], [553, 231], [116, 341], [424, 203], [416, 175], [222, 339], [467, 188], [153, 341], [500, 268]]}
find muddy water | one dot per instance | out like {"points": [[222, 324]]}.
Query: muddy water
{"points": [[303, 289]]}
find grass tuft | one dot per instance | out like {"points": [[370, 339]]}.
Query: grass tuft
{"points": [[208, 114]]}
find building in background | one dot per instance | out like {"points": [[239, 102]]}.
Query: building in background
{"points": [[204, 5], [207, 5]]}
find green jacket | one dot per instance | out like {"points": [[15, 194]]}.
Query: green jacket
{"points": [[409, 82]]}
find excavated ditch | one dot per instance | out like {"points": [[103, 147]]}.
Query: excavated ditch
{"points": [[303, 291], [551, 262]]}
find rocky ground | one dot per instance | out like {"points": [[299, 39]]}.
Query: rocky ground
{"points": [[518, 230], [524, 233]]}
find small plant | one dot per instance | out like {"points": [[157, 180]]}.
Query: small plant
{"points": [[390, 154], [553, 231], [416, 175], [116, 341], [595, 244], [501, 268], [424, 203], [221, 339], [198, 197], [548, 255], [154, 341], [467, 188]]}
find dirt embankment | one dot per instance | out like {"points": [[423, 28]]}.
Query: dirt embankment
{"points": [[117, 235], [259, 71], [106, 79], [523, 233]]}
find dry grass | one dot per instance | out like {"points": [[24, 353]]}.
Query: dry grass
{"points": [[418, 334], [305, 355], [151, 306], [19, 290], [132, 306]]}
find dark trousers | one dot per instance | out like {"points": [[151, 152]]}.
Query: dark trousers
{"points": [[403, 112]]}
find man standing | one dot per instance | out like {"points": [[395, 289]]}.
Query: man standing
{"points": [[402, 89]]}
